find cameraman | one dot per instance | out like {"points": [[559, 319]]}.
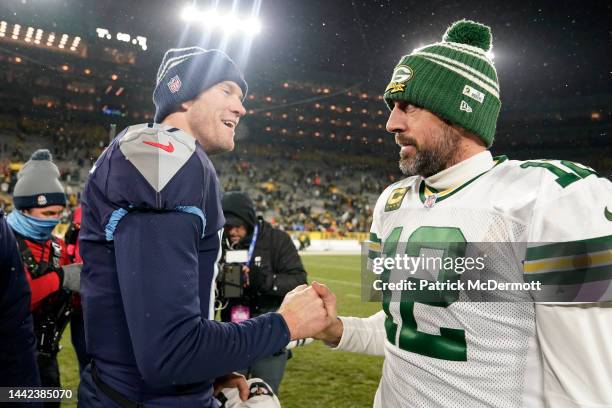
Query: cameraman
{"points": [[271, 269]]}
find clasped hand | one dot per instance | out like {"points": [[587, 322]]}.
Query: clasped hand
{"points": [[310, 311]]}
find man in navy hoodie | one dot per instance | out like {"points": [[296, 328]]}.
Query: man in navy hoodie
{"points": [[150, 241]]}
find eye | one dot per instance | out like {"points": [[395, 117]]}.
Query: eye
{"points": [[403, 106], [226, 91]]}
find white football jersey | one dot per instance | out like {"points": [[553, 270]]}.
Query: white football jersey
{"points": [[459, 353]]}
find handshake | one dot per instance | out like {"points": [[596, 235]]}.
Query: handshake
{"points": [[310, 311]]}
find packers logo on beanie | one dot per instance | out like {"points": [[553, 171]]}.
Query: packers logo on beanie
{"points": [[186, 72], [38, 183], [454, 78]]}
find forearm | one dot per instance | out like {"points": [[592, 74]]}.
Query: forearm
{"points": [[359, 335], [206, 349], [160, 287]]}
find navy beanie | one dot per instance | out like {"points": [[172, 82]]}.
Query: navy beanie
{"points": [[38, 183], [184, 73]]}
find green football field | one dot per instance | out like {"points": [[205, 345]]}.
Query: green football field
{"points": [[315, 375]]}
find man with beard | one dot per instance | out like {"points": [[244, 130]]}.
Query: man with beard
{"points": [[441, 349]]}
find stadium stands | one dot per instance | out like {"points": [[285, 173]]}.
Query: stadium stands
{"points": [[313, 152]]}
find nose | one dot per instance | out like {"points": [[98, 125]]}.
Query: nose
{"points": [[238, 108], [397, 122]]}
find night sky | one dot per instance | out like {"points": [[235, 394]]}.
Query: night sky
{"points": [[543, 49]]}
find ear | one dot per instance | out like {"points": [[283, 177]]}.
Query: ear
{"points": [[186, 105]]}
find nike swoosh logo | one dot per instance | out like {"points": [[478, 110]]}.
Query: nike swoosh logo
{"points": [[169, 147], [608, 214]]}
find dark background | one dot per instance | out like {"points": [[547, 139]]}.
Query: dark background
{"points": [[555, 49], [552, 58]]}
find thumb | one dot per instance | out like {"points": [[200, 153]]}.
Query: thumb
{"points": [[323, 291], [299, 288]]}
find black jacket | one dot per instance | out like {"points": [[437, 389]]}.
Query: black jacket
{"points": [[276, 268], [18, 345]]}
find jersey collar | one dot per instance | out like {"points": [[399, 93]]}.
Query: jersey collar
{"points": [[450, 180]]}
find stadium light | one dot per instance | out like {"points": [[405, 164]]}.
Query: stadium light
{"points": [[252, 26], [229, 23], [102, 32], [123, 37], [188, 12], [137, 40]]}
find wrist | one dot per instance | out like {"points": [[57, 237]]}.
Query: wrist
{"points": [[332, 335], [291, 321]]}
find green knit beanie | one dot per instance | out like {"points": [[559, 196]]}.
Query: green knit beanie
{"points": [[455, 79]]}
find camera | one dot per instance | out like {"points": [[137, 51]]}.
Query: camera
{"points": [[231, 278], [230, 281]]}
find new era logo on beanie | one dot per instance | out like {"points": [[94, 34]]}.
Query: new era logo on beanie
{"points": [[184, 73], [38, 183], [439, 77]]}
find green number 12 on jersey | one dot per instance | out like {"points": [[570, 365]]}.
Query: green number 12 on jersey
{"points": [[450, 344]]}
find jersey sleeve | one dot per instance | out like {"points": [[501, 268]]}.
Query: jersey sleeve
{"points": [[367, 335], [363, 335], [569, 249], [570, 253], [173, 343], [575, 345]]}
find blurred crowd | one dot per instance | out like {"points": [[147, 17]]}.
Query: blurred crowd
{"points": [[294, 189], [297, 184], [307, 191]]}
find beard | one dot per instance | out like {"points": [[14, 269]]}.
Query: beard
{"points": [[432, 159]]}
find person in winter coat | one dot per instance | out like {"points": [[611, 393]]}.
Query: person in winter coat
{"points": [[39, 202], [273, 268]]}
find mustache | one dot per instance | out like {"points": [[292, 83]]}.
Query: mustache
{"points": [[401, 140]]}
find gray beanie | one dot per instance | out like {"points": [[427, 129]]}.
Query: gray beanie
{"points": [[184, 73], [38, 183]]}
